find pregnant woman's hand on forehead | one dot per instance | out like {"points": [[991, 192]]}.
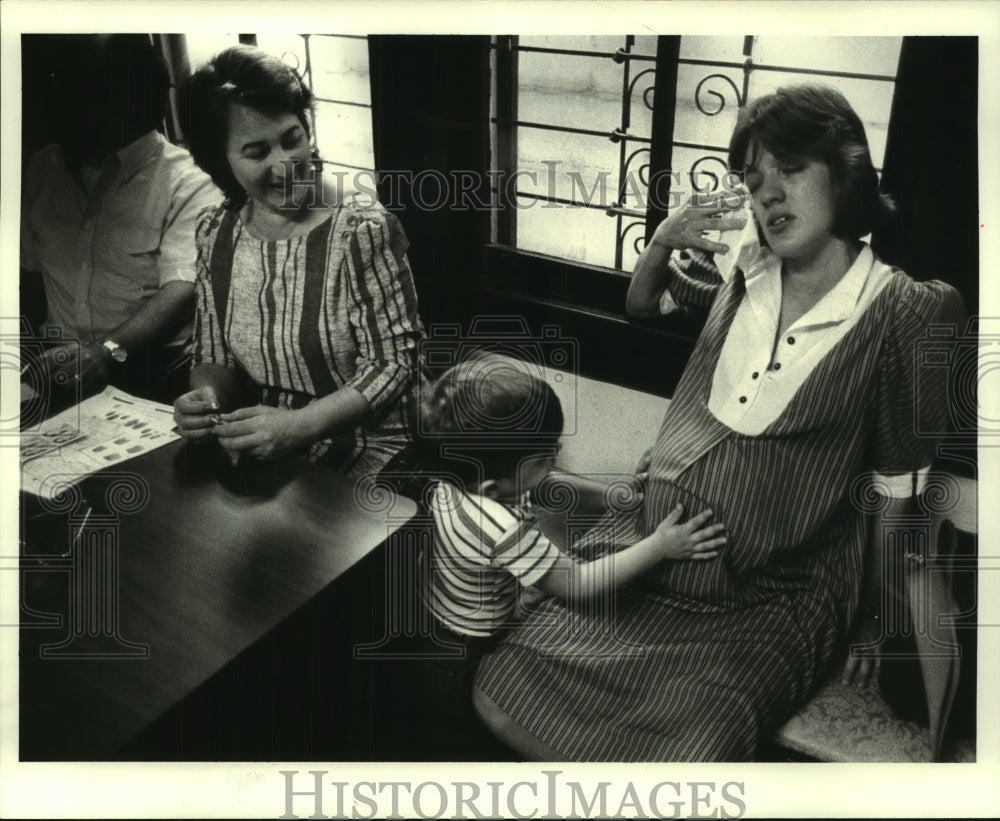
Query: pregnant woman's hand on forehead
{"points": [[690, 222]]}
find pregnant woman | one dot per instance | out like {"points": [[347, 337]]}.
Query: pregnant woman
{"points": [[802, 397]]}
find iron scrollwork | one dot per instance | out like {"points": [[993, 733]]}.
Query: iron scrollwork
{"points": [[719, 97]]}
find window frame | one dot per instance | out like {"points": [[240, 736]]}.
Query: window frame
{"points": [[578, 284]]}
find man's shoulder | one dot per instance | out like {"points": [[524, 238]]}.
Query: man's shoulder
{"points": [[177, 165], [47, 160], [174, 152]]}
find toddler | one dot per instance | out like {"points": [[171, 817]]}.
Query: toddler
{"points": [[496, 429]]}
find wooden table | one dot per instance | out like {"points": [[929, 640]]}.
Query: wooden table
{"points": [[175, 566]]}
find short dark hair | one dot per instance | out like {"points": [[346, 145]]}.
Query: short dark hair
{"points": [[816, 122], [110, 88], [493, 410], [137, 72], [248, 76]]}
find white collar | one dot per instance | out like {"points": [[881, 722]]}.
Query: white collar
{"points": [[841, 301], [763, 285]]}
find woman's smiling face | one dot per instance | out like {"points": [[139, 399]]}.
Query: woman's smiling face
{"points": [[794, 203], [259, 148]]}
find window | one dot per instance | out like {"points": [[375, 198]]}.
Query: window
{"points": [[579, 129], [335, 67]]}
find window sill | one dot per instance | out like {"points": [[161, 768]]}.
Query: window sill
{"points": [[587, 304]]}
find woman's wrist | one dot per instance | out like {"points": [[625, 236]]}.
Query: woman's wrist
{"points": [[307, 425], [662, 242], [345, 408]]}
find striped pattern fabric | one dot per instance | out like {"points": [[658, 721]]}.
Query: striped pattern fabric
{"points": [[306, 316], [705, 659], [482, 552], [694, 279]]}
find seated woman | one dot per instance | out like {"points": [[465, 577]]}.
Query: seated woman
{"points": [[302, 292], [800, 396]]}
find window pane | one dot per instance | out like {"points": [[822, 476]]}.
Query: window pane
{"points": [[860, 55], [291, 48], [707, 104], [604, 43], [203, 47], [344, 134], [585, 92], [579, 234], [697, 47], [568, 166], [560, 89], [340, 68]]}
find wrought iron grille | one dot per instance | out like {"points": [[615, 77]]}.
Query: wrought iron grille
{"points": [[651, 82]]}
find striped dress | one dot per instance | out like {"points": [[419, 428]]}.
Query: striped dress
{"points": [[306, 316], [703, 660]]}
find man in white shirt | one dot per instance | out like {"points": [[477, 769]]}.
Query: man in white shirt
{"points": [[107, 219]]}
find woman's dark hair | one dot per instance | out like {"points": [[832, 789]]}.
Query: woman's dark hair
{"points": [[816, 122], [245, 75], [491, 412]]}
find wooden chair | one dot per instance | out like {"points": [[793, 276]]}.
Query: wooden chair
{"points": [[848, 723]]}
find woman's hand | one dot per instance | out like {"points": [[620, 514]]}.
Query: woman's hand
{"points": [[689, 540], [688, 224], [196, 413], [642, 476], [262, 432], [863, 669]]}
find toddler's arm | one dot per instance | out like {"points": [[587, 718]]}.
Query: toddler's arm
{"points": [[570, 580], [591, 493]]}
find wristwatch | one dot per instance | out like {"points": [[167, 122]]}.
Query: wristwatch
{"points": [[118, 353]]}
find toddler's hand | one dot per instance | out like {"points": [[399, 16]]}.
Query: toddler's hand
{"points": [[689, 540]]}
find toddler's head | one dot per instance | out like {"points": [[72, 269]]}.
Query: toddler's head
{"points": [[495, 423]]}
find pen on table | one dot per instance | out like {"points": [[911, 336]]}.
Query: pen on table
{"points": [[79, 530]]}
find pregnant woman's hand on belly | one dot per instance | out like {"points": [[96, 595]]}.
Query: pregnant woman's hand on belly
{"points": [[690, 540], [642, 472]]}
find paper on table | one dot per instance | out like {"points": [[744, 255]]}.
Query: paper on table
{"points": [[101, 431]]}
